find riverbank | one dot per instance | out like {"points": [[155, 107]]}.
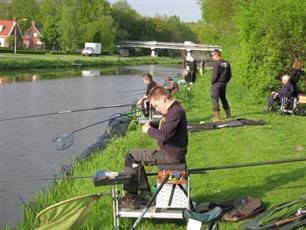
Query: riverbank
{"points": [[280, 138], [34, 61]]}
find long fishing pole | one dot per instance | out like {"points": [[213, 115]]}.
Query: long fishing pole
{"points": [[65, 111], [191, 171], [45, 178], [252, 164]]}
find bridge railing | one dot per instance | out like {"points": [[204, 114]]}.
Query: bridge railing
{"points": [[167, 45]]}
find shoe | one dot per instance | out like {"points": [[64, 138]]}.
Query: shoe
{"points": [[144, 197], [228, 113], [129, 202], [216, 116]]}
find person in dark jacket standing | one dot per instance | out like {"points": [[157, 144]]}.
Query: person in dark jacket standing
{"points": [[221, 75], [296, 71], [172, 135], [191, 70]]}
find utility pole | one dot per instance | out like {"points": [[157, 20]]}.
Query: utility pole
{"points": [[15, 27]]}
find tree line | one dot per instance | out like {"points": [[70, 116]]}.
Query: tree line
{"points": [[71, 23], [261, 38]]}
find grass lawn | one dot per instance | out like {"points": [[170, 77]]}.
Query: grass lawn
{"points": [[42, 61], [282, 137]]}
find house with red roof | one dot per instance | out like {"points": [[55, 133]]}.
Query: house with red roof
{"points": [[31, 38], [7, 28]]}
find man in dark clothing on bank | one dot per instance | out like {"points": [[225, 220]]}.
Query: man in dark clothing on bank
{"points": [[143, 102], [191, 70], [276, 96], [221, 75], [172, 135]]}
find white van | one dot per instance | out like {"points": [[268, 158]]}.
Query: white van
{"points": [[92, 49]]}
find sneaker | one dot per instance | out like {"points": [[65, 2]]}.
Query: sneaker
{"points": [[129, 202], [144, 197]]}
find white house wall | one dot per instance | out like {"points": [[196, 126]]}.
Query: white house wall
{"points": [[2, 40]]}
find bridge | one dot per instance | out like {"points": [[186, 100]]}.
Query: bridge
{"points": [[154, 46]]}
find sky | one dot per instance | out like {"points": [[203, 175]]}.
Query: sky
{"points": [[186, 10]]}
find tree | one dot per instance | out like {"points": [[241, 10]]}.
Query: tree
{"points": [[11, 41], [6, 10], [217, 21], [24, 10], [69, 24], [96, 23], [271, 35], [49, 19], [50, 35], [127, 21]]}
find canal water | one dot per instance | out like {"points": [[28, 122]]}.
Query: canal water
{"points": [[26, 147]]}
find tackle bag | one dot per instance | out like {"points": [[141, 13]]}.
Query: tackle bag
{"points": [[223, 124], [242, 207], [235, 209], [288, 215]]}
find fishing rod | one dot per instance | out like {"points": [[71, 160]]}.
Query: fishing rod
{"points": [[191, 171], [65, 141], [65, 111], [231, 166], [45, 178], [134, 90]]}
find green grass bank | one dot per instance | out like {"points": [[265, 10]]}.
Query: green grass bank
{"points": [[47, 61], [281, 138]]}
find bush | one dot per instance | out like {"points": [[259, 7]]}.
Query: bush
{"points": [[6, 50], [57, 52], [28, 51], [271, 35]]}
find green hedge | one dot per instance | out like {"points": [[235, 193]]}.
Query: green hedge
{"points": [[270, 35], [6, 50]]}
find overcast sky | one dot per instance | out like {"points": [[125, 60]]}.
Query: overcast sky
{"points": [[186, 10]]}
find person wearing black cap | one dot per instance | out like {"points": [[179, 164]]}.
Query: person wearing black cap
{"points": [[221, 75]]}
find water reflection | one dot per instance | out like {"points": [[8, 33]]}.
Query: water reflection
{"points": [[35, 75], [90, 73]]}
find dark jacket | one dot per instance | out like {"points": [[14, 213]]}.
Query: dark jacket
{"points": [[221, 71], [286, 90], [173, 135], [295, 77], [150, 86]]}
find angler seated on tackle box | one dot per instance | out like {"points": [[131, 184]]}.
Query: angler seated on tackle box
{"points": [[172, 135]]}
